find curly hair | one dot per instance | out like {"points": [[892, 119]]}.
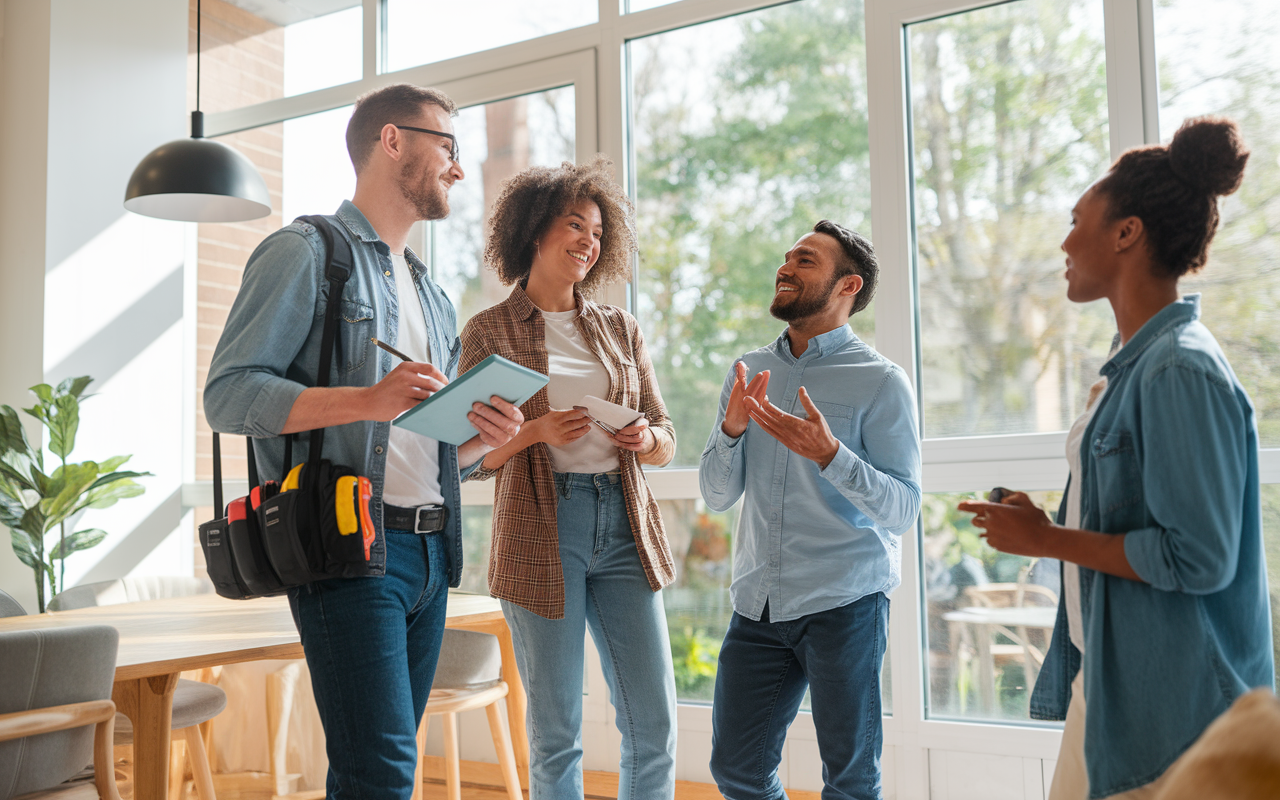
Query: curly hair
{"points": [[532, 199], [1174, 190]]}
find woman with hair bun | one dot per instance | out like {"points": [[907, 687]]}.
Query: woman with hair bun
{"points": [[578, 542], [1163, 619]]}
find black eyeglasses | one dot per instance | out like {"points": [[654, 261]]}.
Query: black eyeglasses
{"points": [[453, 153]]}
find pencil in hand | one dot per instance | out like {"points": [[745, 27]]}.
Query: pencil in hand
{"points": [[390, 349]]}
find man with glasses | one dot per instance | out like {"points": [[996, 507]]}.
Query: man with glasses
{"points": [[817, 434], [371, 643]]}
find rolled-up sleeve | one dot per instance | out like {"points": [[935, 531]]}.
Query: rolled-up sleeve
{"points": [[886, 484], [1195, 462], [247, 392], [721, 476]]}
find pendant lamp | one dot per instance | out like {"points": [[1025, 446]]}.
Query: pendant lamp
{"points": [[197, 179]]}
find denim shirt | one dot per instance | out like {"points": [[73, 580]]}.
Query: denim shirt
{"points": [[1170, 459], [813, 539], [270, 351]]}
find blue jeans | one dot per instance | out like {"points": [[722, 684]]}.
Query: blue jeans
{"points": [[764, 670], [605, 591], [371, 646]]}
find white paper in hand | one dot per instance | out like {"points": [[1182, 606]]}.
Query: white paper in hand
{"points": [[610, 413]]}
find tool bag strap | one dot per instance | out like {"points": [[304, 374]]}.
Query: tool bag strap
{"points": [[339, 262], [338, 265]]}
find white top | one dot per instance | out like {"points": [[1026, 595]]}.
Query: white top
{"points": [[575, 372], [1070, 571], [413, 460]]}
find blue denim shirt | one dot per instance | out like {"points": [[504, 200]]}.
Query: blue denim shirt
{"points": [[813, 539], [270, 350], [1171, 460]]}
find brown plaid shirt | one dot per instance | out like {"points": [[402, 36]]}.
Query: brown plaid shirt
{"points": [[524, 561]]}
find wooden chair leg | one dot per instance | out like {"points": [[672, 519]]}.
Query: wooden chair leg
{"points": [[199, 759], [506, 756], [452, 758], [418, 771]]}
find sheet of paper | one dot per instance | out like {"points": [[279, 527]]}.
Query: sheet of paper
{"points": [[610, 413]]}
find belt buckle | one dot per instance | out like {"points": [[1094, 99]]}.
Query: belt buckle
{"points": [[435, 513]]}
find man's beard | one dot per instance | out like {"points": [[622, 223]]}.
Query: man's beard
{"points": [[805, 304], [428, 197]]}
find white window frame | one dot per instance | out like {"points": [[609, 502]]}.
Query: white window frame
{"points": [[592, 59]]}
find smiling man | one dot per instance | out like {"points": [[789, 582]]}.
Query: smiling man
{"points": [[829, 474], [372, 642]]}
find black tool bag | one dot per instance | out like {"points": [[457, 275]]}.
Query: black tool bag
{"points": [[315, 523]]}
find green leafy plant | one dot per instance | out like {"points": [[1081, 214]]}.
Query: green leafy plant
{"points": [[35, 503], [694, 654]]}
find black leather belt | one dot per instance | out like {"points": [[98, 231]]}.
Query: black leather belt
{"points": [[423, 519]]}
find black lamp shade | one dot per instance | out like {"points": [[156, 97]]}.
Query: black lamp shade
{"points": [[197, 180]]}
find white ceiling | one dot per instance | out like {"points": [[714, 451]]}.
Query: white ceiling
{"points": [[287, 12]]}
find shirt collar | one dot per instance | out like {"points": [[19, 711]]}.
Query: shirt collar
{"points": [[824, 344], [358, 224], [522, 308], [1179, 312]]}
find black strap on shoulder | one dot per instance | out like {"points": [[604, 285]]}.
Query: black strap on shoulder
{"points": [[338, 265]]}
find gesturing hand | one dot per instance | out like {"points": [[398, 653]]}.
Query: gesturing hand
{"points": [[559, 428], [402, 388], [1015, 525], [736, 415], [809, 437]]}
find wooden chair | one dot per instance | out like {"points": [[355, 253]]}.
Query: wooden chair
{"points": [[194, 702], [57, 684], [468, 676]]}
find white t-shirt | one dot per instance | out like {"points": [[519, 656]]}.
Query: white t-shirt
{"points": [[413, 460], [575, 372], [1070, 571]]}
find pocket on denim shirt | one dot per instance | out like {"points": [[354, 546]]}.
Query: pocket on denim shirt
{"points": [[1117, 476], [839, 418], [354, 333]]}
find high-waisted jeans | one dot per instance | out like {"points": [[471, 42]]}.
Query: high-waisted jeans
{"points": [[606, 592]]}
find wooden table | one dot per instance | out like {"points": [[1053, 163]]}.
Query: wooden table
{"points": [[1012, 623], [161, 638]]}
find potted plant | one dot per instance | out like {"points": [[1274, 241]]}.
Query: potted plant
{"points": [[35, 503]]}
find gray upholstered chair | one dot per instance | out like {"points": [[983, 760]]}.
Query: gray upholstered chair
{"points": [[10, 607], [56, 714], [129, 590], [194, 702], [469, 676]]}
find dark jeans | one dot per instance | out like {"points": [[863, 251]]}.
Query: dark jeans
{"points": [[765, 668], [371, 646]]}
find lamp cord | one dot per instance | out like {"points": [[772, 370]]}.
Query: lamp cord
{"points": [[197, 55]]}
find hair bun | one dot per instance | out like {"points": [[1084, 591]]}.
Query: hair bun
{"points": [[1208, 153]]}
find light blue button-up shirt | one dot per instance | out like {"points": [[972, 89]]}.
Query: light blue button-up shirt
{"points": [[812, 539]]}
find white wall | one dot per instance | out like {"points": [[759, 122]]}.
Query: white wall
{"points": [[85, 287]]}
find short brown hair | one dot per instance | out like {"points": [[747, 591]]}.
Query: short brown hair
{"points": [[530, 201], [859, 259], [394, 104], [1174, 190]]}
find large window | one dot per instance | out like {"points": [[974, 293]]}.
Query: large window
{"points": [[746, 131], [1008, 127], [426, 31]]}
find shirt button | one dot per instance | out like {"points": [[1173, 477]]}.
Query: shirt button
{"points": [[387, 273], [378, 449]]}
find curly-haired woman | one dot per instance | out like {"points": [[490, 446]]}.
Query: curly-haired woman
{"points": [[1164, 617], [578, 542]]}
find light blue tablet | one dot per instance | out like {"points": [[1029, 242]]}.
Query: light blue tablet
{"points": [[443, 415]]}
